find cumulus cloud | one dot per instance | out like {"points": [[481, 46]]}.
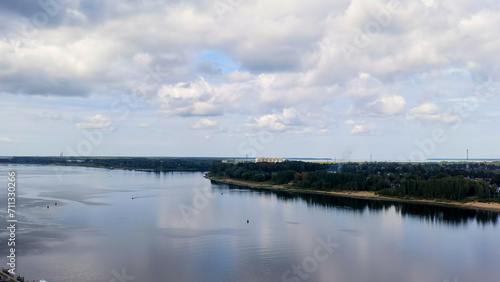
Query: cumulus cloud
{"points": [[387, 106], [290, 121], [197, 98], [425, 109], [278, 122], [370, 97], [360, 129], [102, 43], [429, 112], [288, 70], [263, 92], [98, 121], [204, 123]]}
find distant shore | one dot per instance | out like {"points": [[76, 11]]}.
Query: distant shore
{"points": [[367, 195]]}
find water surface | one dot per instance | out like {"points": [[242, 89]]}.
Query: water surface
{"points": [[181, 227]]}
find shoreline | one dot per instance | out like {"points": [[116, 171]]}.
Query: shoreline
{"points": [[366, 195], [108, 167]]}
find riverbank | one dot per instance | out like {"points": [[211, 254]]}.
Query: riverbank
{"points": [[367, 195]]}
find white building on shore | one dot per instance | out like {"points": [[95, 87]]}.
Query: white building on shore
{"points": [[270, 160]]}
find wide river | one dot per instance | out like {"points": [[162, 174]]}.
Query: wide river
{"points": [[117, 225]]}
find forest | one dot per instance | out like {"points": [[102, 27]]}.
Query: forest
{"points": [[138, 163], [446, 180]]}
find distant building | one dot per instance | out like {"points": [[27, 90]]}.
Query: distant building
{"points": [[269, 160]]}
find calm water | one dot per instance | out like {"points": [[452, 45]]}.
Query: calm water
{"points": [[170, 232]]}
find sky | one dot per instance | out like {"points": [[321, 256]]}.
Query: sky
{"points": [[386, 80]]}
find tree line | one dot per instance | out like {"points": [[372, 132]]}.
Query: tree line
{"points": [[449, 181], [140, 163]]}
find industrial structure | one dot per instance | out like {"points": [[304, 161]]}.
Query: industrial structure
{"points": [[270, 160]]}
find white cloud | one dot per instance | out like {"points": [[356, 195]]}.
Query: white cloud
{"points": [[204, 123], [351, 122], [430, 3], [278, 122], [370, 97], [292, 122], [9, 140], [279, 66], [429, 112], [142, 59], [360, 129], [197, 98], [425, 109], [387, 106], [98, 121], [273, 122]]}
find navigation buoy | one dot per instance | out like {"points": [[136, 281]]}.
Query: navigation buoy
{"points": [[48, 206], [248, 221]]}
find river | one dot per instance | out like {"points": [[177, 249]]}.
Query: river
{"points": [[119, 225]]}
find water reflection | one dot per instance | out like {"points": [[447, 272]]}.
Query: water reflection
{"points": [[140, 228], [428, 213]]}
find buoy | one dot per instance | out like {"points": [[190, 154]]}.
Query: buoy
{"points": [[248, 221], [56, 203], [48, 206]]}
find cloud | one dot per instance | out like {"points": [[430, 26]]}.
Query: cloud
{"points": [[93, 45], [387, 106], [142, 59], [289, 121], [204, 123], [429, 112], [9, 140], [351, 122], [197, 98], [360, 129], [370, 97], [98, 121], [238, 76], [425, 109], [278, 122], [263, 66]]}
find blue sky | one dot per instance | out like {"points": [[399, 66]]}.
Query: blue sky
{"points": [[339, 79], [223, 62]]}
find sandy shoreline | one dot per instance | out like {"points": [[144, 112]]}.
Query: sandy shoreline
{"points": [[368, 195]]}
